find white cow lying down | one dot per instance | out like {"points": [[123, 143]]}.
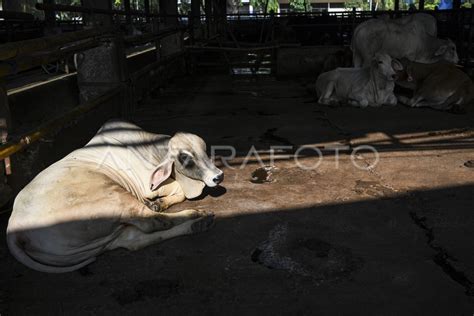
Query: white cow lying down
{"points": [[362, 87], [105, 196]]}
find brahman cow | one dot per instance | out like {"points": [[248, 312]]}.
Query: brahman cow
{"points": [[440, 85], [362, 87], [106, 196], [412, 37]]}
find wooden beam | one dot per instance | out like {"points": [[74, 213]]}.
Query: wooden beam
{"points": [[15, 49]]}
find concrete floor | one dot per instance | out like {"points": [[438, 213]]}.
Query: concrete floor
{"points": [[394, 240]]}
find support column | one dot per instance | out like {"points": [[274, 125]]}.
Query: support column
{"points": [[97, 19], [49, 16], [5, 127], [208, 8], [421, 5], [147, 10], [396, 6], [195, 21], [128, 17], [169, 8], [102, 68], [222, 5]]}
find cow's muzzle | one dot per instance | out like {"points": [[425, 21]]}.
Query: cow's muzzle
{"points": [[219, 178]]}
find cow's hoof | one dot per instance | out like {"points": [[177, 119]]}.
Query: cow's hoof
{"points": [[156, 206], [204, 223]]}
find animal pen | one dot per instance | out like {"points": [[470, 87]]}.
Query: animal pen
{"points": [[382, 225]]}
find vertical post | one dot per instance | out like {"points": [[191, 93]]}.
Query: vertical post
{"points": [[102, 68], [421, 5], [49, 17], [97, 19], [195, 22], [5, 125], [147, 10], [456, 4], [208, 9], [470, 35], [128, 16], [5, 121], [396, 6], [169, 8]]}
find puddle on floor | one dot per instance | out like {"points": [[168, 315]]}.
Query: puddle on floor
{"points": [[305, 255], [469, 164], [263, 174]]}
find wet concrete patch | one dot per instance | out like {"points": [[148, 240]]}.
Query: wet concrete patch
{"points": [[469, 164], [305, 255], [372, 188], [263, 174], [155, 288]]}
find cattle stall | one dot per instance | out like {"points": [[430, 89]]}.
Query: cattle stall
{"points": [[328, 208]]}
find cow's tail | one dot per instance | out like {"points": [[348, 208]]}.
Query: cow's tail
{"points": [[22, 256]]}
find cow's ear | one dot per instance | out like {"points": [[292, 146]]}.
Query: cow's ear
{"points": [[397, 65], [161, 173], [441, 50]]}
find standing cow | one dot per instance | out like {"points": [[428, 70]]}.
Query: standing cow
{"points": [[368, 86], [412, 37], [440, 86], [105, 196]]}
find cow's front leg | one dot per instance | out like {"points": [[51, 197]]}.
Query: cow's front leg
{"points": [[359, 103], [357, 100], [165, 202], [166, 196], [391, 100], [412, 102]]}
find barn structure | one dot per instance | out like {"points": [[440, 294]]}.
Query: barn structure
{"points": [[324, 210]]}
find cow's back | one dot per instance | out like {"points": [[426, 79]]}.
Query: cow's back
{"points": [[404, 37]]}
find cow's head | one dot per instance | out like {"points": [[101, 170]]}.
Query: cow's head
{"points": [[405, 73], [447, 51], [386, 67], [192, 167]]}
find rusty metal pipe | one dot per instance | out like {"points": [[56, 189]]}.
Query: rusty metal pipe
{"points": [[25, 140]]}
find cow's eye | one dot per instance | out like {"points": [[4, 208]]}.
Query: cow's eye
{"points": [[185, 160]]}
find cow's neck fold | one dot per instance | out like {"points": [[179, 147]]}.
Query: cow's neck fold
{"points": [[379, 85]]}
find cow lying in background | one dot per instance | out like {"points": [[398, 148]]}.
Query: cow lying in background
{"points": [[412, 37], [105, 196], [440, 86], [368, 86]]}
